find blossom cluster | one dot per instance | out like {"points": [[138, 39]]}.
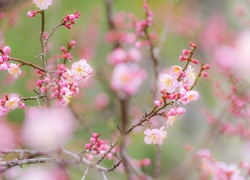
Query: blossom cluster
{"points": [[142, 25], [10, 102], [216, 170], [97, 147], [70, 19], [65, 84], [12, 68], [176, 86], [127, 76]]}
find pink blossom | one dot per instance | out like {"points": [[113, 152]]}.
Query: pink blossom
{"points": [[32, 14], [14, 69], [42, 4], [118, 55], [158, 103], [168, 83], [155, 136], [42, 173], [189, 96], [7, 138], [47, 128], [134, 55], [101, 101], [12, 103], [190, 77], [177, 70], [180, 110], [127, 78], [6, 50], [81, 70], [216, 170], [171, 120], [4, 66]]}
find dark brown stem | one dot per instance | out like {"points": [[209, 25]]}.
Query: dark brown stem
{"points": [[41, 38], [115, 166], [109, 13], [124, 122]]}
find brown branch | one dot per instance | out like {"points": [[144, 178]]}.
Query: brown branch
{"points": [[27, 63], [115, 166], [55, 28], [41, 38]]}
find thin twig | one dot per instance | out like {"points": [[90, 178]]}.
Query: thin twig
{"points": [[86, 173], [27, 63], [27, 161], [104, 177]]}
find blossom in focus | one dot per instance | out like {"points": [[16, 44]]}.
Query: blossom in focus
{"points": [[14, 69], [155, 136], [188, 96], [177, 70], [42, 4], [127, 78], [190, 77], [12, 103], [47, 127], [168, 83], [81, 70]]}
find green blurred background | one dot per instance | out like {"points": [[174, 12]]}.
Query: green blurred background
{"points": [[22, 35]]}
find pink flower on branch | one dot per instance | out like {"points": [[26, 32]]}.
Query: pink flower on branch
{"points": [[42, 4], [168, 83], [155, 136], [81, 70], [12, 103], [14, 69]]}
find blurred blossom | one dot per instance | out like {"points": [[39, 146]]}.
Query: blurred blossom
{"points": [[216, 170], [215, 33], [7, 138], [47, 127], [242, 46], [235, 57], [225, 57], [127, 78], [40, 173], [101, 101], [117, 56]]}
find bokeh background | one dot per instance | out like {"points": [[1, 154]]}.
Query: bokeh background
{"points": [[210, 23]]}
